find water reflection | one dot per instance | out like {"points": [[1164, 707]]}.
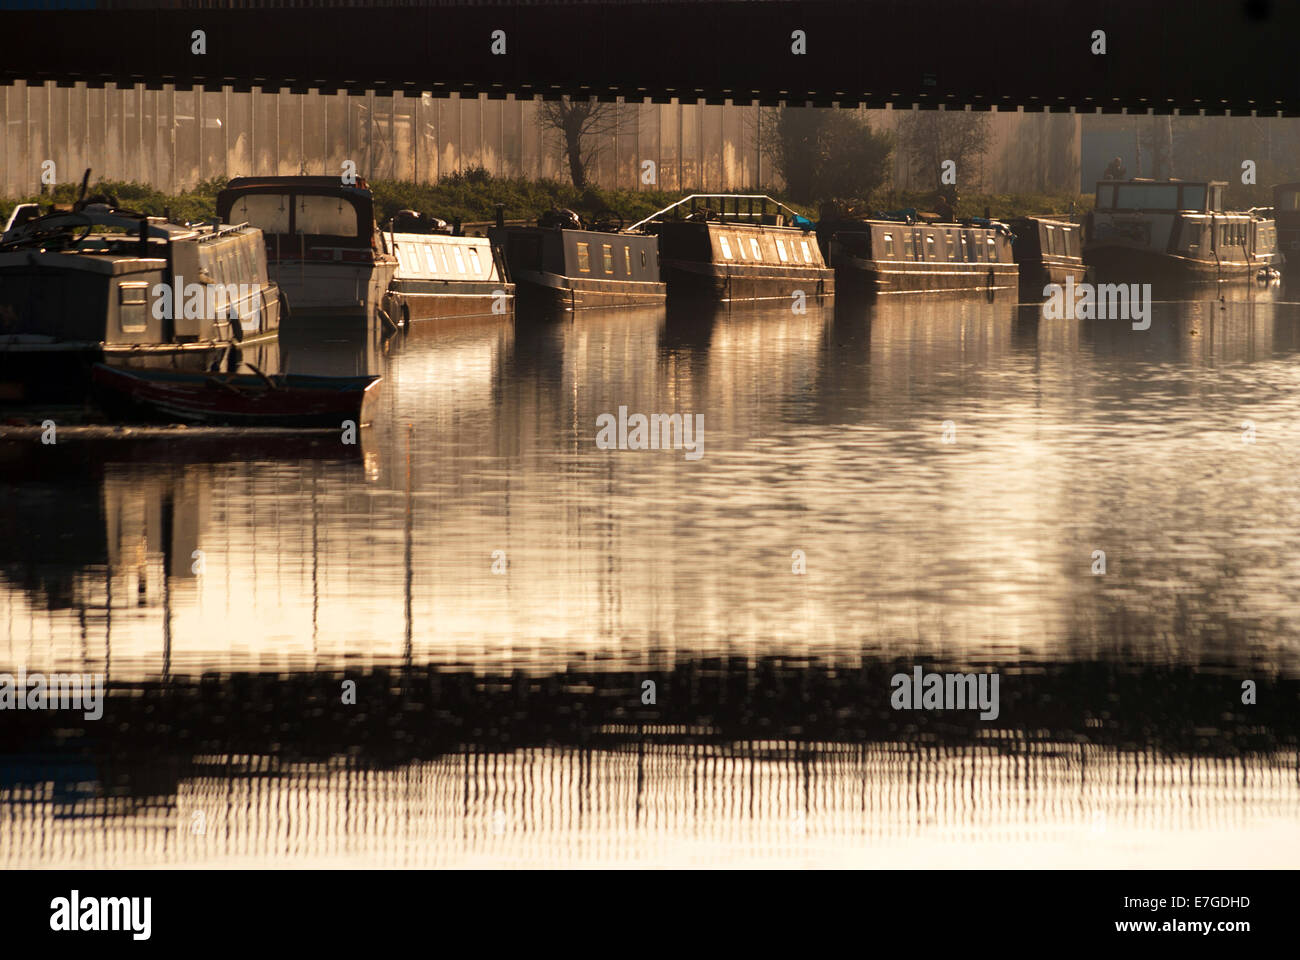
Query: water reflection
{"points": [[500, 588]]}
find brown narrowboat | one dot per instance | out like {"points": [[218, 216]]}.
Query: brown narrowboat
{"points": [[730, 248]]}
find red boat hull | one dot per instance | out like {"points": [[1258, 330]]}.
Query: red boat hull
{"points": [[234, 400]]}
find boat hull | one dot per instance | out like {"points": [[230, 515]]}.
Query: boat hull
{"points": [[1123, 264], [244, 400], [449, 301], [1034, 277], [333, 292], [733, 284], [59, 372], [553, 293], [856, 276]]}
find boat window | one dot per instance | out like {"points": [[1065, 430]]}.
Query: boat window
{"points": [[807, 254], [607, 258], [1106, 197], [474, 261], [965, 247], [267, 211], [781, 252], [726, 248], [753, 248], [432, 258], [446, 261], [889, 246], [627, 259], [993, 250], [952, 247], [1288, 200], [1147, 196], [1049, 244], [584, 258], [460, 259], [324, 216], [740, 247], [929, 246], [132, 300], [916, 244], [1193, 197], [642, 259], [397, 251]]}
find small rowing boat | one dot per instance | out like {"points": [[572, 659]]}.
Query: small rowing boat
{"points": [[234, 399]]}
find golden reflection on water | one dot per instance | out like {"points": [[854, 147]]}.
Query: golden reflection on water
{"points": [[824, 434], [752, 804]]}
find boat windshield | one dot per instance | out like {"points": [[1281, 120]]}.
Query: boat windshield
{"points": [[1288, 200], [325, 216], [1153, 196], [267, 211], [312, 214], [1147, 196]]}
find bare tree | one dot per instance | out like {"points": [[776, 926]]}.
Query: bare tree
{"points": [[584, 129], [929, 137]]}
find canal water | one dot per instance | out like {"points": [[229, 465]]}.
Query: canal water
{"points": [[476, 638]]}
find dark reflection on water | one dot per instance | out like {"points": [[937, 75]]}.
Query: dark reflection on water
{"points": [[227, 592]]}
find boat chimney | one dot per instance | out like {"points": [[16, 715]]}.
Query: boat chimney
{"points": [[144, 236], [455, 227], [501, 215], [986, 214]]}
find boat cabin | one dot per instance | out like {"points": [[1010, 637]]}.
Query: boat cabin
{"points": [[441, 275], [1175, 229], [1286, 213]]}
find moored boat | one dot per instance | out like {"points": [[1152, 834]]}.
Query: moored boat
{"points": [[902, 252], [99, 284], [234, 399], [560, 265], [1047, 251], [731, 248], [1175, 231], [322, 243], [443, 276], [1286, 216]]}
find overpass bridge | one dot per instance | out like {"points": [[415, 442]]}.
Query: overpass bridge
{"points": [[1229, 56]]}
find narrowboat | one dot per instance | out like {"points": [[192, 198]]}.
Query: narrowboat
{"points": [[904, 253], [1175, 231], [96, 284], [235, 399], [441, 276], [1046, 251], [560, 265], [1286, 215], [730, 248], [322, 243]]}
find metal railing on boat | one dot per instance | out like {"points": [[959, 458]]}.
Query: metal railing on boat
{"points": [[737, 214]]}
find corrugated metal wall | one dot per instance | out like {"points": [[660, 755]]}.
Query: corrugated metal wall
{"points": [[173, 139]]}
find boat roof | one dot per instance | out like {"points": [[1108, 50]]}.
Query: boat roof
{"points": [[1172, 180], [101, 215], [98, 215], [331, 186]]}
